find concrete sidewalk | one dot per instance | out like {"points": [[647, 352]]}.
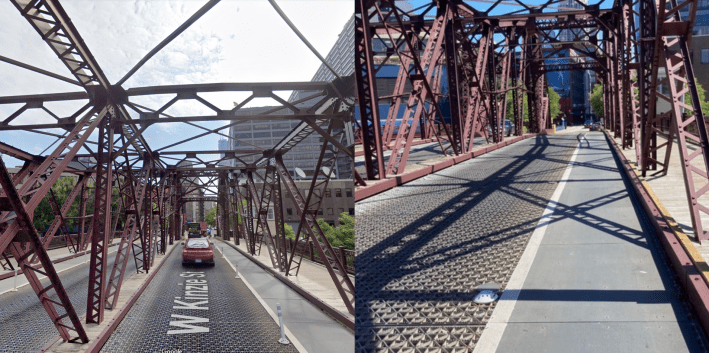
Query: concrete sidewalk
{"points": [[312, 277], [593, 277], [314, 329], [670, 190]]}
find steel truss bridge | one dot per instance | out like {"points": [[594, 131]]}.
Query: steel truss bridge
{"points": [[153, 184], [633, 46]]}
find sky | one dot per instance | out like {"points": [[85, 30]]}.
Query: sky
{"points": [[236, 41]]}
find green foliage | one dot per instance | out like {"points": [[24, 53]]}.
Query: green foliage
{"points": [[702, 98], [289, 232], [43, 215], [554, 105], [342, 236], [211, 217], [510, 114], [597, 100]]}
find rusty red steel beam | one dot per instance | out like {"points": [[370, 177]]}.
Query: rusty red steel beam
{"points": [[133, 201], [59, 221], [37, 186], [101, 230], [367, 93], [335, 268], [262, 229], [24, 222], [421, 89]]}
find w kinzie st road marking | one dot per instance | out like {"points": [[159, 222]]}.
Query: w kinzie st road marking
{"points": [[196, 298]]}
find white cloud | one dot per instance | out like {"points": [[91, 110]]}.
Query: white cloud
{"points": [[243, 41]]}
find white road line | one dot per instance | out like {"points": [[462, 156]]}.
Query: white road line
{"points": [[60, 271], [289, 334], [490, 339]]}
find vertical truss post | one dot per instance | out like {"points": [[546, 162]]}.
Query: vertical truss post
{"points": [[535, 82], [367, 94], [280, 238], [24, 221], [234, 210], [101, 222], [251, 198], [131, 192], [147, 211], [334, 267], [262, 230], [162, 208], [649, 65], [492, 117], [453, 82], [517, 94], [475, 80], [222, 206]]}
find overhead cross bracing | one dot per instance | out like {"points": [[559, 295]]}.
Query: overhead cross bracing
{"points": [[105, 140], [463, 67]]}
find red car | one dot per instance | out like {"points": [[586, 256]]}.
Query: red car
{"points": [[198, 251]]}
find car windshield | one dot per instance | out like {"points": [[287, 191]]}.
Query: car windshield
{"points": [[197, 243]]}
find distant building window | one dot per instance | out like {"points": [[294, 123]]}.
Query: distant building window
{"points": [[270, 214], [340, 211], [705, 56], [289, 211], [348, 192], [328, 193], [329, 211], [351, 211], [338, 192]]}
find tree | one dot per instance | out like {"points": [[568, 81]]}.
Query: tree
{"points": [[342, 236], [211, 217], [702, 98], [597, 100], [554, 106], [510, 114], [289, 231], [43, 214]]}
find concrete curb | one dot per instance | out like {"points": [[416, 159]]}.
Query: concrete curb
{"points": [[106, 333], [373, 189], [680, 251], [315, 301]]}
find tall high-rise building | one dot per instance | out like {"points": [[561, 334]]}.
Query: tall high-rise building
{"points": [[223, 146], [266, 133], [340, 59]]}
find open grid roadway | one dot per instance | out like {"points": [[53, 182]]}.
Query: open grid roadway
{"points": [[237, 322], [424, 247], [25, 325]]}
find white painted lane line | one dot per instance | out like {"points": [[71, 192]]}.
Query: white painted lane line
{"points": [[289, 334], [490, 339]]}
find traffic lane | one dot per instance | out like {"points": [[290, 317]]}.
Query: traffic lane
{"points": [[196, 308], [609, 274], [25, 325], [441, 236]]}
